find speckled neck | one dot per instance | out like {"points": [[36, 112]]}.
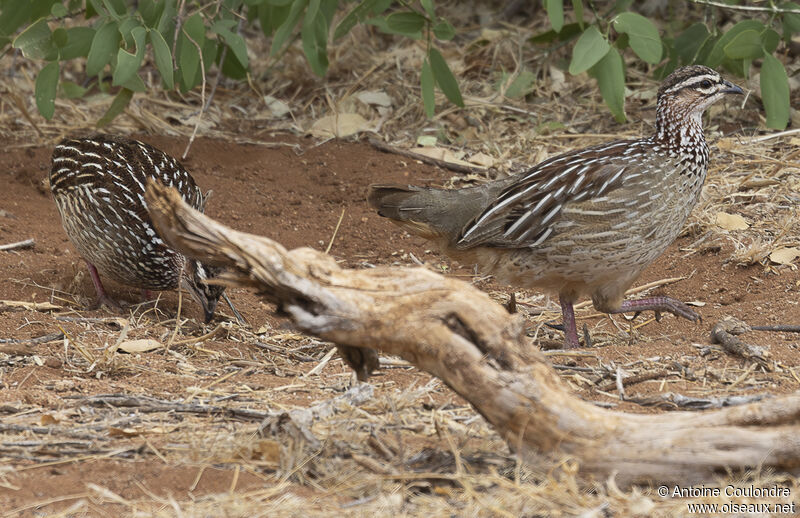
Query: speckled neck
{"points": [[679, 127]]}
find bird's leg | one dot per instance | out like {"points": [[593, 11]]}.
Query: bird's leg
{"points": [[102, 297], [568, 318], [511, 305], [658, 304], [147, 295]]}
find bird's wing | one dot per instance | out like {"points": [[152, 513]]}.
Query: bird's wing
{"points": [[524, 212]]}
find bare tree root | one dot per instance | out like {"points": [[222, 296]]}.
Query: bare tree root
{"points": [[457, 333]]}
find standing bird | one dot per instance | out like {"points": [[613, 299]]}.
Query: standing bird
{"points": [[98, 184], [584, 223]]}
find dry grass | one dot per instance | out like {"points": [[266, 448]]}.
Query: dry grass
{"points": [[382, 454]]}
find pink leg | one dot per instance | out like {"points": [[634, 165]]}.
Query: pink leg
{"points": [[102, 297], [659, 304], [568, 318], [147, 295]]}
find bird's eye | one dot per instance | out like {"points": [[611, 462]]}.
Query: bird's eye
{"points": [[705, 84]]}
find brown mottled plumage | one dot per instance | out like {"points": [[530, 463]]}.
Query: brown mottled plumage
{"points": [[98, 184], [585, 223]]}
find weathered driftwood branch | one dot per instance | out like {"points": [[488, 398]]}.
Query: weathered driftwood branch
{"points": [[457, 333]]}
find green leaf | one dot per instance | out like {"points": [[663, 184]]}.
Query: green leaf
{"points": [[126, 27], [286, 28], [521, 85], [445, 78], [427, 5], [271, 18], [163, 58], [791, 21], [45, 90], [577, 6], [356, 14], [644, 38], [426, 83], [745, 45], [128, 63], [234, 41], [166, 24], [60, 37], [610, 75], [444, 31], [770, 40], [151, 11], [36, 41], [555, 11], [12, 19], [568, 32], [689, 42], [232, 68], [118, 105], [71, 90], [79, 41], [104, 47], [134, 83], [116, 8], [93, 8], [775, 92], [406, 22], [589, 49], [58, 10], [192, 39], [40, 8], [315, 37], [717, 55]]}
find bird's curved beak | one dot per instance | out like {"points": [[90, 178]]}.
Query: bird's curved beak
{"points": [[731, 88]]}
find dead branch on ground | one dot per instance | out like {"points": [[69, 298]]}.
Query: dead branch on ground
{"points": [[457, 333]]}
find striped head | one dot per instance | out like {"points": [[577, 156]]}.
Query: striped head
{"points": [[684, 96], [194, 280]]}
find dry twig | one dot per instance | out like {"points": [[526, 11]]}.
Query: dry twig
{"points": [[724, 333], [28, 243], [459, 168], [458, 334]]}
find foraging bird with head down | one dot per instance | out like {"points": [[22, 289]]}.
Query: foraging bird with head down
{"points": [[98, 184], [585, 223]]}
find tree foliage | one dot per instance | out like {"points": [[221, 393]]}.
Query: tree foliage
{"points": [[598, 45], [184, 39]]}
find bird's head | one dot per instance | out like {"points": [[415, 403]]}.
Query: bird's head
{"points": [[195, 280], [690, 90]]}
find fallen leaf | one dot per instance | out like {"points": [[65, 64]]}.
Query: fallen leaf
{"points": [[376, 97], [267, 450], [731, 221], [264, 329], [426, 140], [557, 79], [784, 255], [123, 432], [339, 125], [444, 154], [756, 183], [140, 346], [276, 107], [482, 159], [727, 144], [47, 419]]}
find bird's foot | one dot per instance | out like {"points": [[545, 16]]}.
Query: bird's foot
{"points": [[659, 305], [104, 301]]}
